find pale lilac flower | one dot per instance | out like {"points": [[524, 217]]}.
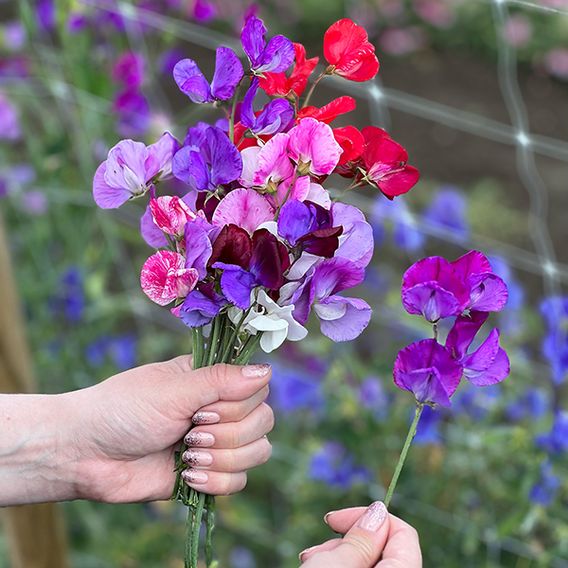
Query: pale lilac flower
{"points": [[10, 120], [556, 62], [518, 30]]}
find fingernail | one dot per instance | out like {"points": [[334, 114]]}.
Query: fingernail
{"points": [[194, 476], [203, 439], [206, 418], [256, 371], [374, 516], [197, 457], [304, 552], [326, 517]]}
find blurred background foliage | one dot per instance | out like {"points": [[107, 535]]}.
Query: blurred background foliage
{"points": [[486, 484]]}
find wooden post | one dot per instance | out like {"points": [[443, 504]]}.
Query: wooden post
{"points": [[36, 533]]}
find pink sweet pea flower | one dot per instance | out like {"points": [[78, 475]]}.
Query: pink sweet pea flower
{"points": [[130, 170], [171, 214], [164, 277], [245, 208], [313, 147]]}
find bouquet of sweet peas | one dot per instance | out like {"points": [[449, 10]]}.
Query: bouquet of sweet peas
{"points": [[254, 242]]}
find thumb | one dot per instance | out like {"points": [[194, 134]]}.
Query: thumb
{"points": [[363, 545], [195, 389]]}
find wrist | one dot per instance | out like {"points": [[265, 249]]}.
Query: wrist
{"points": [[38, 461]]}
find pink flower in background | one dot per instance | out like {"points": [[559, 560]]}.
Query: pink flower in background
{"points": [[164, 277], [438, 13], [518, 30], [9, 120], [171, 214], [203, 11], [402, 41], [128, 69], [390, 9], [556, 62], [34, 202]]}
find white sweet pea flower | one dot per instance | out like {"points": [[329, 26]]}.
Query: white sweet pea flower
{"points": [[275, 322]]}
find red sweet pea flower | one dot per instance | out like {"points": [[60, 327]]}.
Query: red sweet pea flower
{"points": [[347, 49], [330, 111], [280, 84], [352, 142], [384, 163]]}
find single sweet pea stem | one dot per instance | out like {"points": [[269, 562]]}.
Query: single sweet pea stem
{"points": [[210, 504], [404, 452], [435, 330], [233, 112], [313, 88]]}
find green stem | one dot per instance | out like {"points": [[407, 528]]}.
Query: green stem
{"points": [[196, 525], [213, 340], [313, 88], [248, 349], [209, 533], [404, 453], [230, 345]]}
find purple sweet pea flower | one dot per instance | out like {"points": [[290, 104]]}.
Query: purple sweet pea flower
{"points": [[448, 211], [201, 306], [276, 116], [555, 342], [341, 319], [356, 242], [208, 159], [544, 491], [45, 12], [274, 57], [204, 11], [9, 119], [406, 233], [133, 112], [335, 466], [130, 170], [436, 288], [556, 441], [192, 82], [128, 70], [489, 363], [428, 370]]}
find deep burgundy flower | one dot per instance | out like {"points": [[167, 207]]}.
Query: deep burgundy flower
{"points": [[347, 49]]}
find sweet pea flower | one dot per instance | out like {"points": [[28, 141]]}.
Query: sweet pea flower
{"points": [[207, 160], [352, 143], [200, 306], [329, 112], [128, 69], [164, 277], [448, 211], [341, 318], [228, 74], [347, 49], [295, 83], [276, 323], [384, 163], [489, 363], [436, 288], [203, 11], [130, 169], [9, 119], [275, 56], [170, 214], [276, 116], [555, 442], [545, 490], [428, 370], [312, 146], [245, 208], [133, 112]]}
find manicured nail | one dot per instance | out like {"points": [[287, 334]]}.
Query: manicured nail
{"points": [[374, 517], [197, 457], [326, 517], [194, 476], [206, 418], [256, 371], [304, 552], [203, 439]]}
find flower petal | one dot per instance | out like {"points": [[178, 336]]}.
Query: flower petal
{"points": [[191, 81], [343, 319], [228, 74], [244, 208]]}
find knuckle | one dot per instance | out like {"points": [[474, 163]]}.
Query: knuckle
{"points": [[266, 451], [265, 392], [219, 374], [268, 418], [230, 461], [361, 546]]}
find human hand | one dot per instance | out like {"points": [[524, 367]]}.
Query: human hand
{"points": [[122, 433], [372, 539]]}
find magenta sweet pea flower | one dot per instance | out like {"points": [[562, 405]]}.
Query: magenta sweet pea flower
{"points": [[130, 170], [164, 277], [428, 370], [276, 116], [274, 57], [431, 288], [244, 208], [489, 363], [9, 119], [209, 159], [192, 82], [170, 214], [313, 147], [128, 69]]}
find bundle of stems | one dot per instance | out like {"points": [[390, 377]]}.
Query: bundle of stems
{"points": [[226, 343]]}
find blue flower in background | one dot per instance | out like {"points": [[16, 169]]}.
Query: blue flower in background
{"points": [[372, 396], [293, 389], [545, 489], [406, 233], [448, 211], [510, 319], [476, 403], [72, 297], [555, 343], [335, 466], [120, 349], [534, 403], [555, 441], [428, 431], [242, 557]]}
